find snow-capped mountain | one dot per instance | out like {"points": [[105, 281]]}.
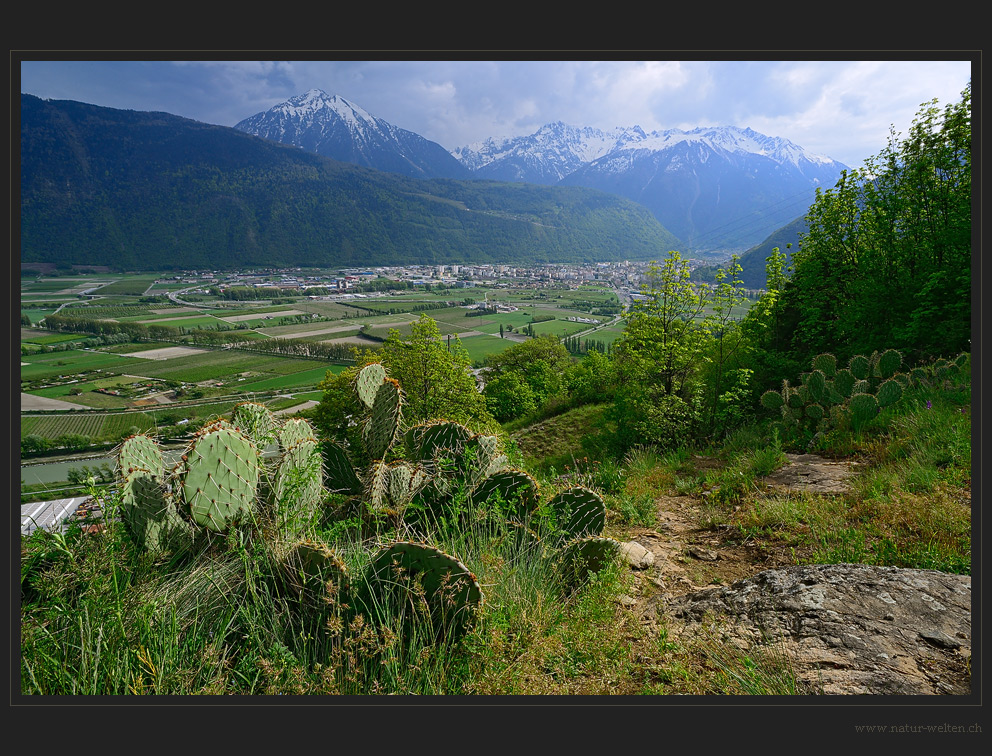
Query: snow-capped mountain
{"points": [[546, 156], [713, 187], [718, 188], [333, 127]]}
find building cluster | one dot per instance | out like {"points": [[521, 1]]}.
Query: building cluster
{"points": [[622, 274]]}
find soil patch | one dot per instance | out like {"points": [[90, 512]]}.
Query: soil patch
{"points": [[30, 402], [166, 353], [809, 472]]}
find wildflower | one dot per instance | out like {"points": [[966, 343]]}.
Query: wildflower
{"points": [[929, 404]]}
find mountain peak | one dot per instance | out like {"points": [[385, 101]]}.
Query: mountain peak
{"points": [[336, 128]]}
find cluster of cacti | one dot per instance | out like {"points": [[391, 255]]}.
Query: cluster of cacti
{"points": [[941, 372], [828, 395], [425, 459], [220, 479], [431, 472]]}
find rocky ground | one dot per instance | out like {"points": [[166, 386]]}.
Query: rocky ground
{"points": [[846, 629]]}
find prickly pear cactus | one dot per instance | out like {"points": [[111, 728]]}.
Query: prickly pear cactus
{"points": [[436, 439], [889, 363], [844, 382], [826, 363], [863, 408], [339, 474], [218, 477], [383, 424], [368, 381], [578, 512], [148, 513], [293, 431], [515, 489], [140, 453], [423, 576], [889, 392], [860, 367], [404, 482], [298, 480], [313, 573], [581, 556], [255, 421], [772, 400], [483, 457]]}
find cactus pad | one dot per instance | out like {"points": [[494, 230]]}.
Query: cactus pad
{"points": [[825, 363], [888, 363], [860, 367], [816, 383], [482, 458], [863, 408], [404, 481], [772, 400], [579, 512], [339, 475], [312, 571], [219, 477], [147, 512], [440, 438], [515, 488], [298, 476], [139, 453], [450, 590], [368, 381], [890, 391], [255, 421], [860, 387], [293, 431], [844, 382], [383, 424], [584, 555]]}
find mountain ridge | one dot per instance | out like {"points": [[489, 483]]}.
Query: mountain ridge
{"points": [[154, 191], [701, 184]]}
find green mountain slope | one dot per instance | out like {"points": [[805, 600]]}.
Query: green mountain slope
{"points": [[149, 191], [752, 262]]}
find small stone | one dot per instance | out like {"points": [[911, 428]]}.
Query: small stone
{"points": [[704, 554], [937, 638], [638, 557]]}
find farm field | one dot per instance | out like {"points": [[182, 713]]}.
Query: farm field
{"points": [[40, 366], [214, 379]]}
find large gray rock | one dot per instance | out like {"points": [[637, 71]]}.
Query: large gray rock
{"points": [[849, 628]]}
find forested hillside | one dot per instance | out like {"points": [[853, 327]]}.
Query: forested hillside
{"points": [[147, 191]]}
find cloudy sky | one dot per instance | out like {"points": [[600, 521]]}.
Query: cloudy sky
{"points": [[839, 108]]}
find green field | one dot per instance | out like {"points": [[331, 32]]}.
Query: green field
{"points": [[559, 327], [134, 285], [99, 427], [72, 361], [303, 378], [480, 347], [215, 365], [49, 337]]}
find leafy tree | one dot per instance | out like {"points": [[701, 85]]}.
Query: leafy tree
{"points": [[592, 379], [887, 258], [541, 363], [657, 360], [437, 379], [508, 396], [725, 295]]}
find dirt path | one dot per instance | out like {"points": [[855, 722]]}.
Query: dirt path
{"points": [[911, 635]]}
